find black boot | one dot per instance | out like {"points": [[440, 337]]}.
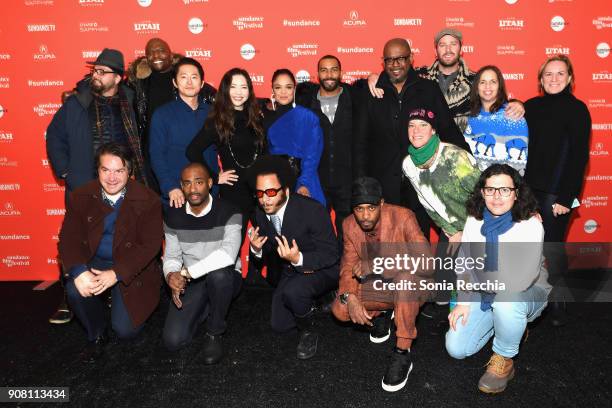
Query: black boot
{"points": [[558, 313], [308, 339], [94, 350], [212, 350]]}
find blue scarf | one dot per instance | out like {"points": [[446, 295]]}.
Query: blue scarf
{"points": [[492, 228]]}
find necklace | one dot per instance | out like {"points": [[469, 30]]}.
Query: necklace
{"points": [[229, 145]]}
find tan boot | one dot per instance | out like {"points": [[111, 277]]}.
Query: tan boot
{"points": [[500, 370]]}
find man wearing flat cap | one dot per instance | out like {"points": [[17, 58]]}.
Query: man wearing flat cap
{"points": [[98, 112], [374, 229]]}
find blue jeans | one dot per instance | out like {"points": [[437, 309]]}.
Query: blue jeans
{"points": [[506, 321]]}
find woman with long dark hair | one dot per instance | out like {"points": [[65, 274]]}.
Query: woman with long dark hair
{"points": [[234, 126], [501, 211], [559, 136], [294, 132], [492, 135]]}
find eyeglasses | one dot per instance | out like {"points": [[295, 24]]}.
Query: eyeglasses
{"points": [[503, 191], [271, 192], [101, 72], [400, 60]]}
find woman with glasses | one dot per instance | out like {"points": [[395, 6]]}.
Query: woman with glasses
{"points": [[492, 135], [501, 211], [559, 137], [234, 127], [294, 132]]}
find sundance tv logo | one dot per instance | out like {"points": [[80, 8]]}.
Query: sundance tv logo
{"points": [[40, 28], [196, 25], [602, 50], [43, 54], [511, 24], [354, 20], [513, 76], [199, 54], [56, 212], [10, 187], [248, 23], [146, 27], [90, 54], [407, 21]]}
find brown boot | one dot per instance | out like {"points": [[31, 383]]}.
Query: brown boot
{"points": [[500, 370]]}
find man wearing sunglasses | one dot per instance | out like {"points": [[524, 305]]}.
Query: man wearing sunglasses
{"points": [[296, 241]]}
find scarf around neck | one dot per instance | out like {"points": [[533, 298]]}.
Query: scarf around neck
{"points": [[422, 155]]}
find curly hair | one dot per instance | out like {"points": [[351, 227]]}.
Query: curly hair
{"points": [[525, 205], [221, 116]]}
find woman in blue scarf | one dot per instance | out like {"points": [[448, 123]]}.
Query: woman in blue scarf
{"points": [[502, 210], [294, 132]]}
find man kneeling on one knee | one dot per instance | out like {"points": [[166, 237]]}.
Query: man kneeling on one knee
{"points": [[201, 263], [108, 242], [373, 225]]}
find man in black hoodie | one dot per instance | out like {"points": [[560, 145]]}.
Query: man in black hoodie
{"points": [[381, 138]]}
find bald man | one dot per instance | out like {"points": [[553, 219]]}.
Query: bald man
{"points": [[381, 140]]}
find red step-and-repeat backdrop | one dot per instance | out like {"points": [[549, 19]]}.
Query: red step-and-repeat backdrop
{"points": [[44, 45]]}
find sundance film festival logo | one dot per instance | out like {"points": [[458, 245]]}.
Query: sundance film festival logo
{"points": [[199, 54], [91, 3], [517, 76], [10, 187], [5, 82], [599, 150], [146, 27], [603, 50], [558, 23], [52, 187], [355, 50], [603, 22], [602, 77], [302, 76], [56, 211], [196, 25], [458, 22], [6, 137], [302, 50], [43, 54], [90, 53], [247, 52], [248, 23], [511, 24], [16, 260], [45, 83], [352, 76], [590, 226], [558, 49], [46, 109], [92, 27], [9, 210], [600, 103], [407, 21], [509, 50], [38, 28], [595, 201], [354, 20], [301, 23]]}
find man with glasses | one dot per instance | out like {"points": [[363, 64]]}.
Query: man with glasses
{"points": [[100, 111], [381, 141], [296, 241]]}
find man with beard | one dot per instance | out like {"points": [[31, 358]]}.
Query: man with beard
{"points": [[201, 263], [335, 103], [151, 77], [451, 73], [98, 112], [381, 138], [373, 225]]}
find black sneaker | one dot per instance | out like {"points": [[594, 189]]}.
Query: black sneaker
{"points": [[307, 345], [94, 350], [212, 349], [399, 369], [381, 329]]}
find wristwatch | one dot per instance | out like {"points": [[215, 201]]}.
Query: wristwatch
{"points": [[344, 297]]}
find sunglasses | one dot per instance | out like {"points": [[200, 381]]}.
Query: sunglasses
{"points": [[271, 192]]}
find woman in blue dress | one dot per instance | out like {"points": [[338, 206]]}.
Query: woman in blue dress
{"points": [[293, 131]]}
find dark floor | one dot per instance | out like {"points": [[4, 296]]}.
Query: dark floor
{"points": [[557, 367]]}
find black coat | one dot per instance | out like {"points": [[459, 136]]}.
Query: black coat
{"points": [[308, 222], [336, 165], [381, 141]]}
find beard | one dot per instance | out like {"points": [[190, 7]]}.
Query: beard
{"points": [[330, 84], [98, 87], [452, 63]]}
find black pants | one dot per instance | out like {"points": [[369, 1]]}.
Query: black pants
{"points": [[339, 199], [295, 294], [208, 297], [555, 230], [92, 312]]}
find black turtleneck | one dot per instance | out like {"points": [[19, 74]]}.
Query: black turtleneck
{"points": [[271, 116], [160, 89], [558, 151]]}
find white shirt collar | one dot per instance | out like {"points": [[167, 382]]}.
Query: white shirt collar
{"points": [[204, 212]]}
